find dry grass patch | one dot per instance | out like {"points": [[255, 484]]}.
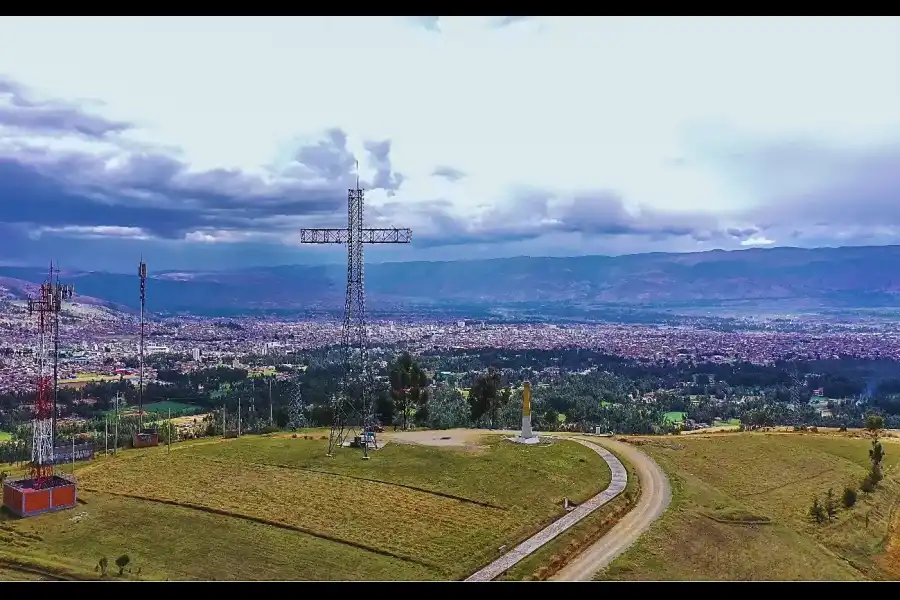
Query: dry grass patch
{"points": [[740, 507], [411, 512]]}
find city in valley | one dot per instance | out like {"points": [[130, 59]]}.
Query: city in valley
{"points": [[468, 328]]}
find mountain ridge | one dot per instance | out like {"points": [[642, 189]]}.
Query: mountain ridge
{"points": [[814, 278]]}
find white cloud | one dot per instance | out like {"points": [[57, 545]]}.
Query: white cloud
{"points": [[757, 241], [556, 103]]}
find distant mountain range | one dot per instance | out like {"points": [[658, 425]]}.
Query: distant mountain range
{"points": [[717, 282]]}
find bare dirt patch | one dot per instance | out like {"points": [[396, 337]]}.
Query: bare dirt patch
{"points": [[462, 438]]}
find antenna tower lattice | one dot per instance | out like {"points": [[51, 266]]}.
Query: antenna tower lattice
{"points": [[354, 406], [142, 273], [46, 306]]}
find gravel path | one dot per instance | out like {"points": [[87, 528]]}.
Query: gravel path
{"points": [[526, 548]]}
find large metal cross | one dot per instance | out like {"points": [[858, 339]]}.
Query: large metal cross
{"points": [[355, 402]]}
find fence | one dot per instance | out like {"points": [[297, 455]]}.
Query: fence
{"points": [[63, 454]]}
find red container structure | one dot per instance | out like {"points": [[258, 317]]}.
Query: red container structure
{"points": [[27, 498], [145, 439]]}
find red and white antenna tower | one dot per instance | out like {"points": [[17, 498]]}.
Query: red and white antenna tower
{"points": [[46, 306]]}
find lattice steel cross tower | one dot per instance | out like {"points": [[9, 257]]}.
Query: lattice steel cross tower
{"points": [[354, 405]]}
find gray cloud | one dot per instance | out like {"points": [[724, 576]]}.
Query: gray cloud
{"points": [[448, 173], [122, 193], [810, 189], [429, 23], [501, 22], [534, 213], [128, 191], [385, 177], [19, 111]]}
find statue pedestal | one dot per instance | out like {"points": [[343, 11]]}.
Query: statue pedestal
{"points": [[526, 436]]}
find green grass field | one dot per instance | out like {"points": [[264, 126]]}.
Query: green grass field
{"points": [[740, 506], [675, 417], [267, 372], [161, 409], [5, 436], [275, 507]]}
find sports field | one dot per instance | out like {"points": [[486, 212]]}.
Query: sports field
{"points": [[276, 508], [675, 417], [160, 409], [740, 510], [5, 436]]}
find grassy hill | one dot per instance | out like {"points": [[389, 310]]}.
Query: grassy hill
{"points": [[740, 506], [274, 507]]}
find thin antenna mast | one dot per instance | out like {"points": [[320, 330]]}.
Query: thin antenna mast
{"points": [[142, 273]]}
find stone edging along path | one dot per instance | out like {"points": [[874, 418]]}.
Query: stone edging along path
{"points": [[617, 484]]}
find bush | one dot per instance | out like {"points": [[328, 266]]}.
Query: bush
{"points": [[849, 497], [830, 504], [102, 566], [122, 562], [816, 511], [867, 486]]}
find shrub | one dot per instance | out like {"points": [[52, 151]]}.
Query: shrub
{"points": [[816, 511], [122, 562], [830, 504], [849, 497], [867, 486]]}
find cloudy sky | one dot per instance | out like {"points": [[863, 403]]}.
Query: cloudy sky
{"points": [[209, 142]]}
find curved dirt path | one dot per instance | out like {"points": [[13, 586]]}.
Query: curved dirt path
{"points": [[618, 481], [656, 494]]}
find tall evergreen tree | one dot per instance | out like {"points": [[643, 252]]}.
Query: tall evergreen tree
{"points": [[296, 410]]}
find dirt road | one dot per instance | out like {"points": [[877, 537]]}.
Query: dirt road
{"points": [[618, 481], [656, 494]]}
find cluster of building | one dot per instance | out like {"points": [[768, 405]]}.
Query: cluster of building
{"points": [[104, 344]]}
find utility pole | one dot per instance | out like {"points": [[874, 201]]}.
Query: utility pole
{"points": [[169, 434], [271, 421], [116, 448], [239, 417], [223, 420]]}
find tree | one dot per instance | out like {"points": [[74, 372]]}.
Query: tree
{"points": [[103, 566], [296, 410], [830, 505], [485, 396], [874, 423], [122, 562], [407, 380], [447, 408], [816, 511], [849, 497], [876, 455]]}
